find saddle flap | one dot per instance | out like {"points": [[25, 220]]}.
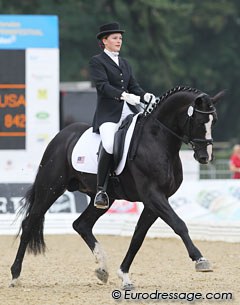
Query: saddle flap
{"points": [[119, 139]]}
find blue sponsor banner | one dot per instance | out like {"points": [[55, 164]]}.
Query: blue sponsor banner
{"points": [[28, 31]]}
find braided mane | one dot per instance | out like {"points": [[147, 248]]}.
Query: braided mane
{"points": [[170, 92]]}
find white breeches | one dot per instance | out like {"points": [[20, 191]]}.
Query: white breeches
{"points": [[107, 130]]}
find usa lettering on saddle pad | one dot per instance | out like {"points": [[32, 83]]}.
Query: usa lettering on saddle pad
{"points": [[84, 155]]}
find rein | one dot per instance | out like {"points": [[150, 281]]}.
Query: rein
{"points": [[187, 138], [141, 124], [184, 139]]}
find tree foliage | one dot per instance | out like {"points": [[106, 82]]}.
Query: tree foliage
{"points": [[168, 42]]}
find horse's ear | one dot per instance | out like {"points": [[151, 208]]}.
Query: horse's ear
{"points": [[218, 96]]}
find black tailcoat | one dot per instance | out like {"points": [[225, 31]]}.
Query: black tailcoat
{"points": [[111, 81]]}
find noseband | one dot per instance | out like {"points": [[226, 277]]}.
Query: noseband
{"points": [[188, 138]]}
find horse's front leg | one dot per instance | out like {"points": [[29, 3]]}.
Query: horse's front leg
{"points": [[166, 213], [145, 221], [83, 226]]}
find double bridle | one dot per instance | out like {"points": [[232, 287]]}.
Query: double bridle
{"points": [[193, 141], [187, 138]]}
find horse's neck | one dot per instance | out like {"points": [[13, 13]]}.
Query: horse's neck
{"points": [[172, 107], [165, 118], [166, 114], [158, 132]]}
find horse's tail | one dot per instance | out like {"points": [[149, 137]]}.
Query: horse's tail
{"points": [[36, 244]]}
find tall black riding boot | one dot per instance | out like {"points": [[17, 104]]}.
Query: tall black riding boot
{"points": [[101, 200]]}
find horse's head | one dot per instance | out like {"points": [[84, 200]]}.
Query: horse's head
{"points": [[201, 116], [188, 115]]}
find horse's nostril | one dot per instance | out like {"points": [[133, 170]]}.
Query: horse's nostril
{"points": [[204, 160]]}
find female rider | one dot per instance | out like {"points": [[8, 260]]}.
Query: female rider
{"points": [[118, 93]]}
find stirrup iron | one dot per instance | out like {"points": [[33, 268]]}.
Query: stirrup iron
{"points": [[101, 200]]}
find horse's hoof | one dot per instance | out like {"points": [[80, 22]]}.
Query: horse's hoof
{"points": [[102, 275], [126, 283], [203, 265], [13, 283], [129, 286]]}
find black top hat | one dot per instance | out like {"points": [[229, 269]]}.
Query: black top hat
{"points": [[109, 28]]}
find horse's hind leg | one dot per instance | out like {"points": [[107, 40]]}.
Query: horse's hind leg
{"points": [[145, 221], [83, 226], [27, 225]]}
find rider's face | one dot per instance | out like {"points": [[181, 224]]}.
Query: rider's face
{"points": [[113, 42]]}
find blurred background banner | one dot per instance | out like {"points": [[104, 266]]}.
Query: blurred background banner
{"points": [[210, 208], [28, 31], [29, 93]]}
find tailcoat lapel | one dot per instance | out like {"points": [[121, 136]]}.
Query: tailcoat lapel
{"points": [[108, 59]]}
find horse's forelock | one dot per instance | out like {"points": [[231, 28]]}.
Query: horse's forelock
{"points": [[204, 102]]}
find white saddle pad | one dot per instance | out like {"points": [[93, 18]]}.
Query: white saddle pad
{"points": [[84, 155]]}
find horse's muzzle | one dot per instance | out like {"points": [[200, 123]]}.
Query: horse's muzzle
{"points": [[203, 160], [203, 155]]}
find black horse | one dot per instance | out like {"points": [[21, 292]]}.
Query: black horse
{"points": [[151, 175]]}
